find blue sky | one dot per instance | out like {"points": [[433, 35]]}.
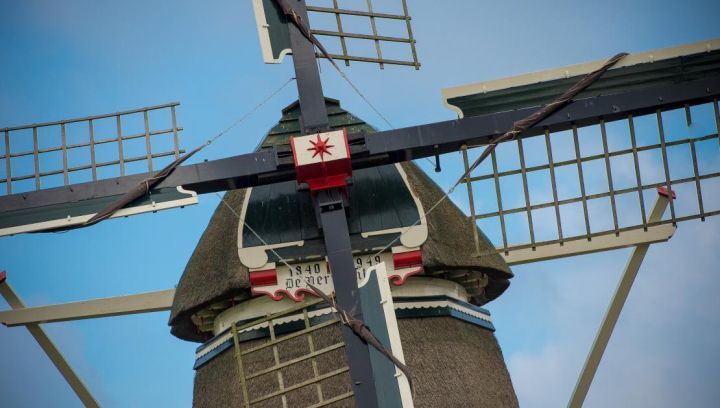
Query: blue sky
{"points": [[76, 58]]}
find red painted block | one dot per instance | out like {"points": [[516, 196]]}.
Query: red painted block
{"points": [[322, 160]]}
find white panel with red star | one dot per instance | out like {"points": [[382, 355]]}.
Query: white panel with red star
{"points": [[322, 160]]}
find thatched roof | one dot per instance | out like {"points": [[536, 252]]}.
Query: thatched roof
{"points": [[454, 364], [214, 272]]}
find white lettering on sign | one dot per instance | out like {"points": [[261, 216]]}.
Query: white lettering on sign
{"points": [[292, 281]]}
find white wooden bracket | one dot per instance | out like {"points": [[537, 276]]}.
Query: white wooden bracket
{"points": [[49, 347], [616, 305], [89, 309], [31, 318]]}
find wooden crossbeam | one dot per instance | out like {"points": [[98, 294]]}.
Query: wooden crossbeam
{"points": [[49, 347], [606, 242], [89, 309], [612, 314]]}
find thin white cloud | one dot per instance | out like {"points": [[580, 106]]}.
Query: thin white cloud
{"points": [[663, 352]]}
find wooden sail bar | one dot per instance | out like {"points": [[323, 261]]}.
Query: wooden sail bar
{"points": [[699, 178], [342, 34], [368, 59], [93, 117], [348, 12], [361, 36], [100, 142]]}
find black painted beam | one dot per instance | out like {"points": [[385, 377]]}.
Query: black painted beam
{"points": [[225, 174], [313, 115], [270, 166], [339, 253], [444, 137]]}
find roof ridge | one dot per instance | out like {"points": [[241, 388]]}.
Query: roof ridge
{"points": [[289, 124]]}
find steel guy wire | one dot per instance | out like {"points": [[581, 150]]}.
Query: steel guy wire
{"points": [[147, 184], [517, 128], [252, 230], [248, 113]]}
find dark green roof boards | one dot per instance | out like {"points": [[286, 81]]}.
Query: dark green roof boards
{"points": [[379, 201], [289, 125]]}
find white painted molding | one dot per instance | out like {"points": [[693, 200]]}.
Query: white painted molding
{"points": [[89, 309], [600, 243], [257, 307]]}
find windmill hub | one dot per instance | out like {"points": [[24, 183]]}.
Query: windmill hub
{"points": [[322, 160]]}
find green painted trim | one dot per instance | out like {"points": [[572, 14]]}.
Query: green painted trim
{"points": [[83, 208], [624, 79]]}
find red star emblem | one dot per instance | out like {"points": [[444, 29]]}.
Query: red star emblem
{"points": [[320, 147]]}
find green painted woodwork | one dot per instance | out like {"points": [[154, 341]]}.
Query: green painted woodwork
{"points": [[278, 30], [379, 198], [289, 126], [85, 207], [664, 72], [386, 384]]}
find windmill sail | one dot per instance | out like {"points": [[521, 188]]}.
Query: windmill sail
{"points": [[57, 157], [589, 183], [343, 31]]}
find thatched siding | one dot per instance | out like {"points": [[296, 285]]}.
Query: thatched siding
{"points": [[454, 363], [451, 245], [214, 270]]}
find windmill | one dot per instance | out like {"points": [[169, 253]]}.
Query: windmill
{"points": [[430, 149]]}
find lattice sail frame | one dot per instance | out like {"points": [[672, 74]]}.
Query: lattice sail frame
{"points": [[343, 31], [373, 17], [610, 185], [90, 141]]}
